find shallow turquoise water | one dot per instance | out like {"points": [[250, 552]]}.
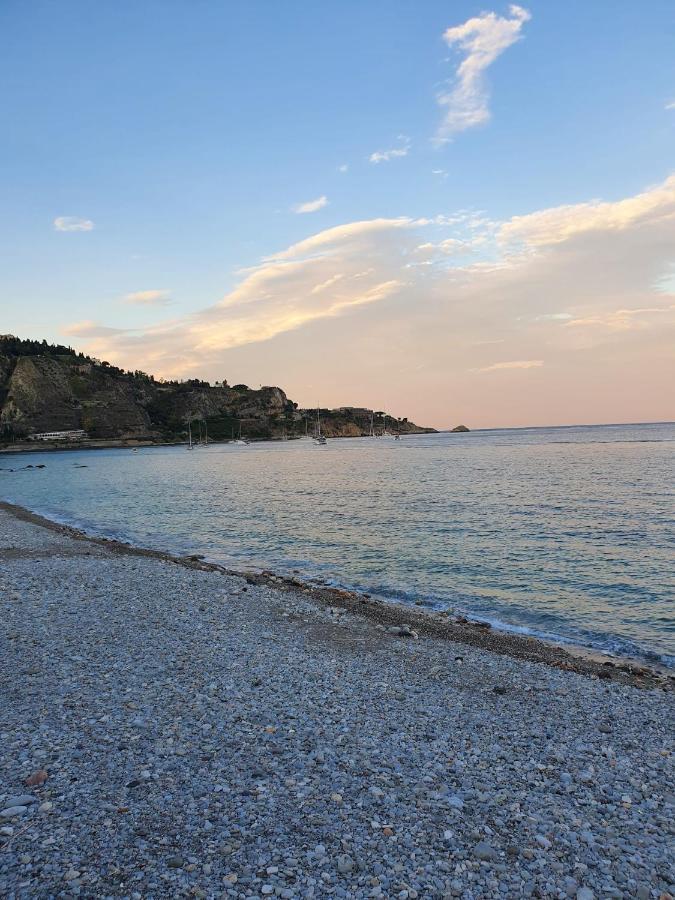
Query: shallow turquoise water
{"points": [[559, 531]]}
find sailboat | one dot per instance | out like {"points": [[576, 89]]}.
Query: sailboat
{"points": [[318, 437], [385, 431], [240, 439], [371, 433], [190, 445]]}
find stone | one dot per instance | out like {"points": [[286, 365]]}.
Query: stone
{"points": [[21, 800], [175, 862], [571, 886], [13, 811], [485, 852], [345, 864], [585, 893]]}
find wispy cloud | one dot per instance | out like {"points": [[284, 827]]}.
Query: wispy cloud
{"points": [[90, 329], [394, 153], [311, 205], [148, 298], [553, 317], [72, 223], [625, 319], [482, 38], [670, 104], [343, 168], [564, 297], [560, 223], [516, 364]]}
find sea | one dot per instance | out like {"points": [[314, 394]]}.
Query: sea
{"points": [[566, 533]]}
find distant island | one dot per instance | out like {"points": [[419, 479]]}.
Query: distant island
{"points": [[50, 392]]}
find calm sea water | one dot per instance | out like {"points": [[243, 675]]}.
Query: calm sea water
{"points": [[564, 532]]}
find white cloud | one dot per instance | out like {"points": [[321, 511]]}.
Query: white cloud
{"points": [[90, 329], [561, 223], [394, 153], [576, 294], [517, 364], [343, 168], [328, 275], [351, 234], [324, 285], [625, 319], [311, 205], [482, 38], [670, 105], [148, 298], [72, 223], [450, 247]]}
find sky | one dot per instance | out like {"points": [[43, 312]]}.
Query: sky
{"points": [[456, 212]]}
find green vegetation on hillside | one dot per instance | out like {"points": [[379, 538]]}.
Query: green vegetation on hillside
{"points": [[49, 387]]}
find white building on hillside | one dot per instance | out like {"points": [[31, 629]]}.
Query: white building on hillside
{"points": [[75, 435]]}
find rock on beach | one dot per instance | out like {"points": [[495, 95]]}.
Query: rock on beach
{"points": [[169, 731]]}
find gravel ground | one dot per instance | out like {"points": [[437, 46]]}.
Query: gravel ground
{"points": [[193, 735]]}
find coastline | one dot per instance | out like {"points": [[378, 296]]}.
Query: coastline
{"points": [[54, 447], [390, 615], [133, 443], [171, 729]]}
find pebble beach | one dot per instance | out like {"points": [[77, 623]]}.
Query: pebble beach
{"points": [[170, 730]]}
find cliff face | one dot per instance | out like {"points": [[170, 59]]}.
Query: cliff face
{"points": [[48, 388], [50, 394]]}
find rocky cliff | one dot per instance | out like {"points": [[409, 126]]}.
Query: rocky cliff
{"points": [[46, 387]]}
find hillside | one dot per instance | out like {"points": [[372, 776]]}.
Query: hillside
{"points": [[46, 387]]}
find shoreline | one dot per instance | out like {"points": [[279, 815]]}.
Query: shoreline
{"points": [[138, 444], [391, 615], [173, 730]]}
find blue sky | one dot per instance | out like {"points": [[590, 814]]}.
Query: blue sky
{"points": [[187, 133]]}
